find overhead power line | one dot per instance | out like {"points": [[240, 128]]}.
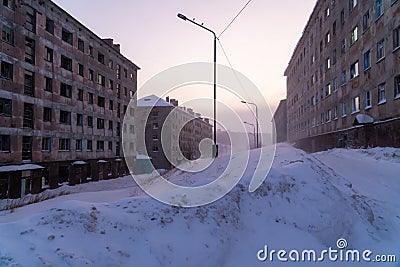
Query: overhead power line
{"points": [[233, 20]]}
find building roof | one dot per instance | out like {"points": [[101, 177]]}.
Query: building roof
{"points": [[153, 100], [24, 167]]}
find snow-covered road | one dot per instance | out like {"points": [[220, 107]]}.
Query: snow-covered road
{"points": [[307, 202]]}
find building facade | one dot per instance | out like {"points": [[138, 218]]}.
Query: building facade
{"points": [[187, 140], [280, 122], [346, 63], [63, 95]]}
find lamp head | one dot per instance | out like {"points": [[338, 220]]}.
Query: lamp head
{"points": [[181, 16]]}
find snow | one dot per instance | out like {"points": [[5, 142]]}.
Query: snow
{"points": [[142, 157], [153, 100], [79, 162], [102, 161], [363, 119], [24, 167], [308, 201]]}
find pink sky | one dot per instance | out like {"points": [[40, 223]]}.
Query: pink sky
{"points": [[259, 44]]}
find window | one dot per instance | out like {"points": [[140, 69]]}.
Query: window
{"points": [[30, 23], [155, 137], [110, 145], [89, 145], [111, 84], [49, 54], [367, 100], [378, 8], [327, 12], [343, 78], [380, 50], [100, 57], [27, 148], [355, 104], [354, 35], [48, 84], [322, 118], [64, 144], [80, 94], [29, 51], [334, 56], [47, 114], [6, 70], [28, 116], [343, 109], [90, 121], [111, 105], [4, 143], [81, 45], [327, 38], [91, 74], [126, 73], [101, 79], [342, 18], [354, 70], [66, 90], [110, 125], [366, 21], [132, 129], [79, 145], [335, 84], [381, 94], [90, 98], [125, 91], [118, 71], [397, 87], [396, 38], [66, 63], [353, 4], [79, 119], [367, 60], [328, 115], [335, 112], [50, 25], [118, 90], [90, 50], [101, 101], [100, 145], [328, 90], [334, 28], [65, 117], [111, 64], [100, 123], [80, 69], [46, 144], [343, 46], [327, 64], [7, 34], [29, 83], [5, 107], [118, 110], [155, 148], [8, 3], [155, 125], [66, 36]]}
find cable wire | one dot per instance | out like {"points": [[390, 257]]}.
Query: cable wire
{"points": [[233, 20]]}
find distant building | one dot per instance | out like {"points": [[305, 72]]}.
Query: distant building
{"points": [[280, 122], [189, 138], [63, 95], [346, 64]]}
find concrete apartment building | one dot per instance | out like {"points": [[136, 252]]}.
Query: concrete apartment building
{"points": [[280, 122], [63, 95], [189, 138], [346, 64]]}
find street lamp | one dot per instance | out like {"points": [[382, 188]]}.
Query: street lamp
{"points": [[249, 103], [254, 132], [215, 147]]}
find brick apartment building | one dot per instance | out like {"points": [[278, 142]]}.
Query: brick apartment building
{"points": [[63, 94], [280, 122], [189, 138], [346, 64]]}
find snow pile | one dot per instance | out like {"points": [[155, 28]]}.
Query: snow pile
{"points": [[308, 201]]}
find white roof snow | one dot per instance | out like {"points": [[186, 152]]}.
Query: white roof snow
{"points": [[363, 119], [79, 162], [24, 167], [153, 100], [102, 161]]}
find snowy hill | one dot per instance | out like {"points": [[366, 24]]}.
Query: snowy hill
{"points": [[308, 201]]}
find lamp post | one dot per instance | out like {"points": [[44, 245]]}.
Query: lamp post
{"points": [[254, 132], [249, 103], [183, 17]]}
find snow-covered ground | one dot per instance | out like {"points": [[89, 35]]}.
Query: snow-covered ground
{"points": [[307, 202]]}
